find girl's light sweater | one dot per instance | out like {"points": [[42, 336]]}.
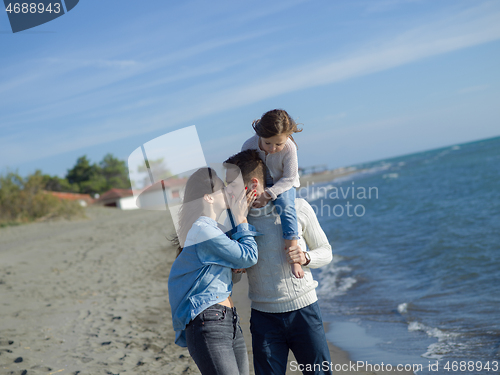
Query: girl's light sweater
{"points": [[283, 166], [272, 286]]}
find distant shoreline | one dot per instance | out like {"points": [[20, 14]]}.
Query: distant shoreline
{"points": [[325, 176]]}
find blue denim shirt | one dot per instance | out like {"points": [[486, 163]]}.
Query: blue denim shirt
{"points": [[201, 275]]}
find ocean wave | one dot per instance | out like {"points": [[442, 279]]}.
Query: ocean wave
{"points": [[441, 154], [446, 340], [332, 281], [390, 175], [316, 192], [376, 169], [403, 308]]}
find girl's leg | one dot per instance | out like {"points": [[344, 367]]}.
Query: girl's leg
{"points": [[285, 204], [285, 207]]}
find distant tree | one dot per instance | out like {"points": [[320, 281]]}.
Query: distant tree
{"points": [[115, 172], [96, 185], [55, 183], [98, 178], [81, 172], [88, 177]]}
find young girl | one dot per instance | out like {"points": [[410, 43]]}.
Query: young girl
{"points": [[275, 144]]}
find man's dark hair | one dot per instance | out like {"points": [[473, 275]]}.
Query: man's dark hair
{"points": [[250, 164]]}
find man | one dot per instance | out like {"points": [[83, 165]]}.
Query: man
{"points": [[285, 313]]}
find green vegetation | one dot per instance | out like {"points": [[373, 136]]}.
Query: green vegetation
{"points": [[26, 199], [23, 200], [94, 178]]}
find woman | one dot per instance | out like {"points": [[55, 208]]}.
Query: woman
{"points": [[200, 280]]}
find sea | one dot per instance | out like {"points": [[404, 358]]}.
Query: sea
{"points": [[415, 276]]}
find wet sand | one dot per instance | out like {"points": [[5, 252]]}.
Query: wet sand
{"points": [[90, 297]]}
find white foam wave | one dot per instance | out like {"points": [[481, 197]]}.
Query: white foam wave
{"points": [[346, 284], [314, 193], [349, 177], [446, 340], [377, 169], [441, 154], [332, 279], [391, 175], [403, 308]]}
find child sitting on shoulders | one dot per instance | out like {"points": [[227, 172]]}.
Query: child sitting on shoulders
{"points": [[276, 147]]}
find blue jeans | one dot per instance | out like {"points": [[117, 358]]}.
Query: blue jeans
{"points": [[215, 341], [285, 206], [301, 331]]}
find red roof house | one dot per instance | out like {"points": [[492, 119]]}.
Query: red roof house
{"points": [[115, 198], [83, 199]]}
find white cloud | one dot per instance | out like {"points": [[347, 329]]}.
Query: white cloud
{"points": [[477, 88], [386, 5], [457, 32], [97, 63]]}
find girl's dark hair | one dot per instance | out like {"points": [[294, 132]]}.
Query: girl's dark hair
{"points": [[203, 181], [276, 122]]}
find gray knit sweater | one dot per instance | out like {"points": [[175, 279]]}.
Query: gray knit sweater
{"points": [[272, 286]]}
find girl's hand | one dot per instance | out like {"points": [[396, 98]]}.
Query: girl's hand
{"points": [[262, 200]]}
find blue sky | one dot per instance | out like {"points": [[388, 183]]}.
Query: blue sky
{"points": [[367, 79]]}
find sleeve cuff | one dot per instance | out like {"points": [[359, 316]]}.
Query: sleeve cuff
{"points": [[244, 230], [271, 193]]}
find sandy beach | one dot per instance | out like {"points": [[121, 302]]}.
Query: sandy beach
{"points": [[90, 297]]}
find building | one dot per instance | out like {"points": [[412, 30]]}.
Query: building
{"points": [[151, 198], [119, 198], [83, 199]]}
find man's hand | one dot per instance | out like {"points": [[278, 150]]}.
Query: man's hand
{"points": [[296, 255], [239, 270]]}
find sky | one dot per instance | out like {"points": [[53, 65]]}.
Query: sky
{"points": [[367, 79]]}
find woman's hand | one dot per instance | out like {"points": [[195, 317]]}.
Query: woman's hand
{"points": [[240, 204]]}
